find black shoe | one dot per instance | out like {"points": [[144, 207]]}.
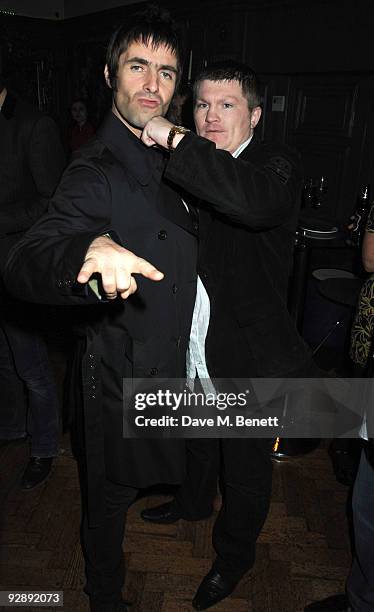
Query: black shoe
{"points": [[164, 514], [345, 460], [336, 603], [36, 472], [213, 589]]}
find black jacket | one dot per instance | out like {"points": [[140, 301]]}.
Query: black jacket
{"points": [[114, 184], [248, 216]]}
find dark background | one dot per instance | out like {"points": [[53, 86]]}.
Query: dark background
{"points": [[316, 53]]}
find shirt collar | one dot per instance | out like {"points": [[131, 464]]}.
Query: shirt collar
{"points": [[242, 147]]}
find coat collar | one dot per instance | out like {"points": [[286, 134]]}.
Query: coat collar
{"points": [[140, 160], [142, 163], [249, 148]]}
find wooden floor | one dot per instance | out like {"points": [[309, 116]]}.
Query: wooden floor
{"points": [[303, 551]]}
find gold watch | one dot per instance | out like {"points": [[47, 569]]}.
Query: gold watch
{"points": [[175, 129]]}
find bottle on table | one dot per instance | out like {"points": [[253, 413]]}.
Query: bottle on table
{"points": [[308, 193], [360, 216], [320, 192]]}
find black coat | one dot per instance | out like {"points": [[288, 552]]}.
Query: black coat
{"points": [[114, 184], [248, 217]]}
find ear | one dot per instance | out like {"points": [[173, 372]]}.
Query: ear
{"points": [[255, 116], [106, 75]]}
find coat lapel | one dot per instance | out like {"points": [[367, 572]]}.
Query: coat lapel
{"points": [[140, 161], [170, 205]]}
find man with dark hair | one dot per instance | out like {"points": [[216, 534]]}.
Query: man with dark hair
{"points": [[114, 187], [233, 71], [248, 198], [32, 161]]}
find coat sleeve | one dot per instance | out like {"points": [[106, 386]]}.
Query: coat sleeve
{"points": [[259, 194], [42, 267]]}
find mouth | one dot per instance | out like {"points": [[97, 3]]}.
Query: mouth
{"points": [[149, 103]]}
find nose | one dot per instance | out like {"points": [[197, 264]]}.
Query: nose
{"points": [[152, 81], [211, 115]]}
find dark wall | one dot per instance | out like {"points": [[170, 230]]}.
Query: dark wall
{"points": [[311, 36], [315, 53], [31, 59]]}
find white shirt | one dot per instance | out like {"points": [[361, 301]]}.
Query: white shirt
{"points": [[196, 361]]}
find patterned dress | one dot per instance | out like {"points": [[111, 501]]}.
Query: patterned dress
{"points": [[362, 332]]}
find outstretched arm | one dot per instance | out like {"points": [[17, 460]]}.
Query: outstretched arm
{"points": [[56, 258]]}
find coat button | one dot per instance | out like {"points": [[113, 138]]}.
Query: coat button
{"points": [[195, 226], [162, 235], [153, 371], [68, 283], [60, 283], [174, 288]]}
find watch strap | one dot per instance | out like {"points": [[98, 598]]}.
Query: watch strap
{"points": [[175, 129]]}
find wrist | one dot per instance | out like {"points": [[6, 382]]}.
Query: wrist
{"points": [[176, 134]]}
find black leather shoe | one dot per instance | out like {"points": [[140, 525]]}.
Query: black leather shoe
{"points": [[164, 514], [36, 472], [213, 589], [336, 603]]}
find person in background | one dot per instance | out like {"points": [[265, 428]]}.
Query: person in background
{"points": [[82, 129], [359, 596], [32, 161], [362, 331], [181, 108]]}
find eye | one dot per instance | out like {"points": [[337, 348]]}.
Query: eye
{"points": [[201, 105], [136, 68], [227, 105], [167, 75]]}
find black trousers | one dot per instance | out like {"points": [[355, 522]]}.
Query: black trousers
{"points": [[13, 400], [102, 548], [30, 361], [245, 474]]}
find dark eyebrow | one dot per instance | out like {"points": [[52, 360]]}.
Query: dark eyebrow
{"points": [[167, 67], [144, 62], [222, 99], [138, 60]]}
